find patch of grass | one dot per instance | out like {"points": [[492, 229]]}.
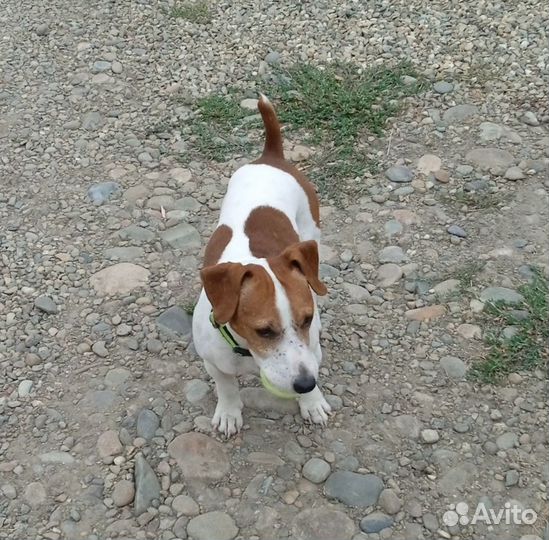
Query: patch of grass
{"points": [[197, 12], [466, 274], [332, 107], [528, 348], [477, 200]]}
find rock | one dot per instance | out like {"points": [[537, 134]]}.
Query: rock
{"points": [[490, 158], [428, 163], [456, 230], [530, 119], [272, 58], [154, 346], [388, 274], [147, 487], [136, 234], [101, 193], [375, 522], [35, 494], [63, 458], [182, 236], [9, 491], [459, 113], [124, 254], [108, 444], [316, 470], [116, 67], [24, 388], [185, 505], [299, 153], [262, 400], [356, 292], [100, 66], [117, 377], [99, 349], [212, 526], [390, 502], [321, 523], [469, 331], [511, 478], [147, 424], [507, 440], [442, 176], [196, 390], [249, 104], [399, 174], [443, 87], [490, 132], [453, 367], [91, 121], [429, 436], [514, 173], [123, 493], [501, 294], [175, 322], [407, 425], [353, 489], [447, 287], [199, 457], [120, 278], [393, 227], [457, 479], [46, 304], [42, 29], [425, 313], [392, 254]]}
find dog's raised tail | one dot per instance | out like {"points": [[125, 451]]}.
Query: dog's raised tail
{"points": [[273, 137]]}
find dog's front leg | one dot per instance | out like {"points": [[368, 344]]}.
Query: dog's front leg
{"points": [[228, 412], [314, 407]]}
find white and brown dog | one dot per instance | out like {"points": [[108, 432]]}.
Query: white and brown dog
{"points": [[259, 268]]}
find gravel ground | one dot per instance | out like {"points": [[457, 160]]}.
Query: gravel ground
{"points": [[104, 408]]}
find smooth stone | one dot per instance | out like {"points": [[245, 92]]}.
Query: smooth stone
{"points": [[103, 192], [99, 349], [375, 522], [454, 367], [108, 444], [147, 424], [212, 526], [469, 331], [514, 173], [123, 493], [353, 489], [392, 254], [507, 440], [456, 230], [136, 234], [182, 236], [147, 486], [196, 390], [272, 58], [321, 523], [428, 163], [185, 505], [388, 274], [199, 457], [530, 119], [120, 278], [399, 174], [316, 470], [91, 121], [356, 292], [24, 388], [175, 322], [443, 87], [425, 313], [124, 254], [35, 494], [490, 158], [389, 501], [249, 104], [501, 294], [407, 425], [64, 458], [447, 287], [459, 113], [393, 227], [430, 436], [490, 131], [117, 377], [46, 304]]}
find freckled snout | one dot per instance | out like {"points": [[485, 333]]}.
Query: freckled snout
{"points": [[304, 383]]}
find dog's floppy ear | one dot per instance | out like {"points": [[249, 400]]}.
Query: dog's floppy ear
{"points": [[304, 257], [222, 283]]}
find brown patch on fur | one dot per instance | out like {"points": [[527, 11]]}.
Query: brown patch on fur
{"points": [[297, 270], [217, 244], [244, 295], [269, 231], [273, 155]]}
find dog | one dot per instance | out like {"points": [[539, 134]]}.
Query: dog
{"points": [[258, 306]]}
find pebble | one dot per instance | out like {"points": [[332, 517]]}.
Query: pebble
{"points": [[185, 505], [99, 349], [375, 522], [124, 254], [196, 390], [428, 163], [530, 119], [469, 331], [399, 174], [353, 489], [507, 440], [272, 58], [407, 425], [175, 322], [24, 388], [456, 230], [389, 502], [511, 478], [321, 523], [459, 113], [249, 104], [46, 304], [123, 493], [429, 436], [501, 294], [9, 491], [212, 526], [117, 377], [182, 236], [388, 274], [316, 470], [108, 444], [42, 29], [147, 424], [514, 173], [425, 313], [154, 346], [443, 87], [454, 367], [447, 287], [392, 254], [490, 158], [147, 486], [120, 278]]}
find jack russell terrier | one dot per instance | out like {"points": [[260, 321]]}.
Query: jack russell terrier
{"points": [[260, 279]]}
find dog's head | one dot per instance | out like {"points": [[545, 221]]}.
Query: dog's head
{"points": [[272, 308]]}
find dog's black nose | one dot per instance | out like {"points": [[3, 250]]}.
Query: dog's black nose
{"points": [[304, 384]]}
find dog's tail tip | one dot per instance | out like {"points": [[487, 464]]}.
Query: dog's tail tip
{"points": [[273, 137]]}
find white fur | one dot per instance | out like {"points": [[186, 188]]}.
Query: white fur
{"points": [[252, 186]]}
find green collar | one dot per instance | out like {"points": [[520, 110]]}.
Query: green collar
{"points": [[228, 337]]}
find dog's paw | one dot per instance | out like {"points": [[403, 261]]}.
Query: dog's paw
{"points": [[227, 419], [314, 407]]}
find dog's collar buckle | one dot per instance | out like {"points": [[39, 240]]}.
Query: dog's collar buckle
{"points": [[228, 337]]}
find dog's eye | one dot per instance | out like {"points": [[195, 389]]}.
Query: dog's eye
{"points": [[307, 321], [267, 333]]}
